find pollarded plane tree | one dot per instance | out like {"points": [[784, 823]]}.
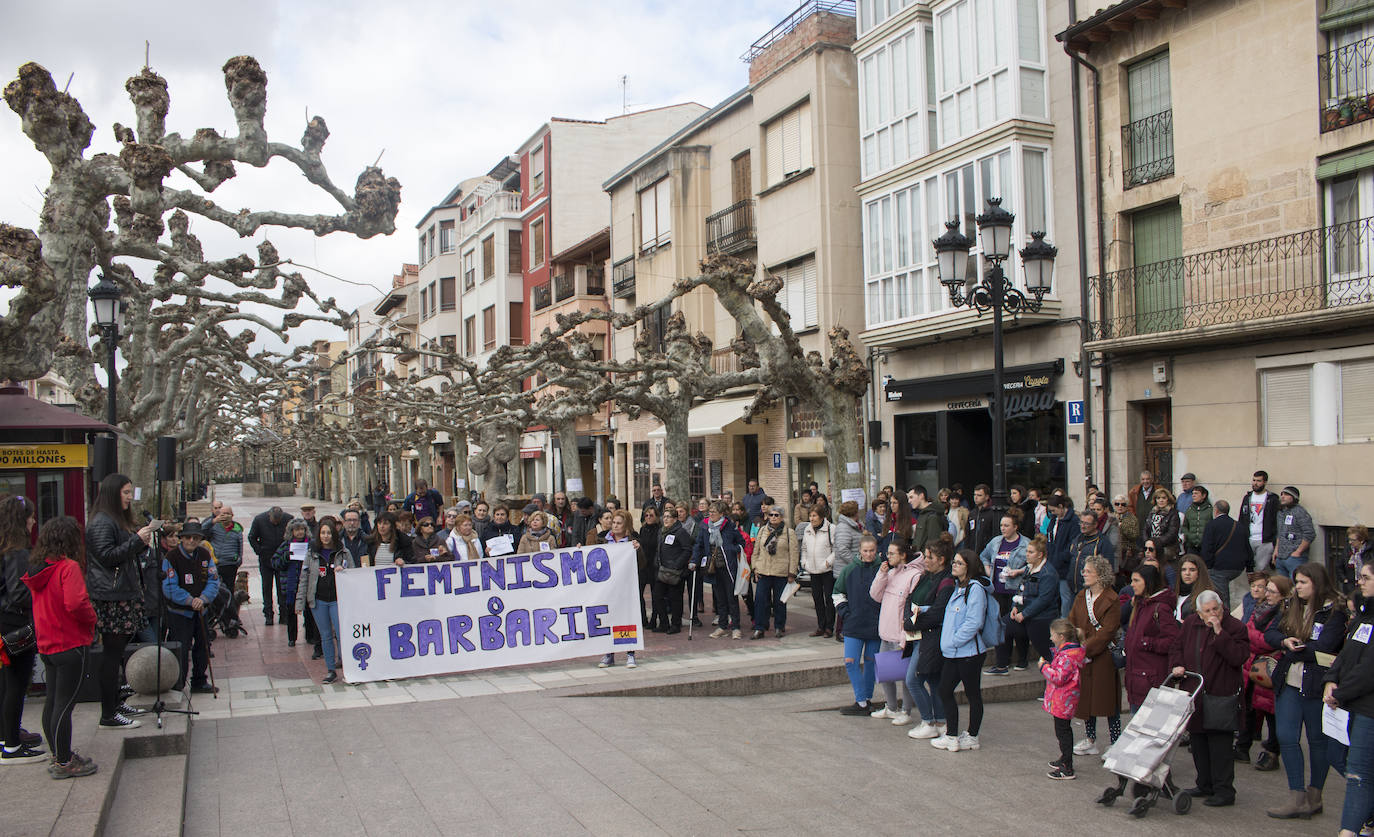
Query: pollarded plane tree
{"points": [[149, 191]]}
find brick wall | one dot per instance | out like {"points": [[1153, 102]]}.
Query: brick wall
{"points": [[816, 29]]}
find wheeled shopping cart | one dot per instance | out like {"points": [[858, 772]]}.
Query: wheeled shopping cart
{"points": [[1144, 753]]}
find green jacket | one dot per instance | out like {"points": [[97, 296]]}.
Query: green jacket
{"points": [[1195, 519], [930, 524]]}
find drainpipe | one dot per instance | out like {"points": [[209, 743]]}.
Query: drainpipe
{"points": [[1084, 322]]}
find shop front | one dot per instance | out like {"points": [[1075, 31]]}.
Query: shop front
{"points": [[943, 432], [44, 454]]}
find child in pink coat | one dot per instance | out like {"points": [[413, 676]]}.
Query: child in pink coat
{"points": [[891, 589], [1062, 686]]}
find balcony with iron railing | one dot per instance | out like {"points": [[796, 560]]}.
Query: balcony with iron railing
{"points": [[1292, 282], [1147, 149], [732, 229], [540, 296], [564, 286], [623, 279], [1345, 92]]}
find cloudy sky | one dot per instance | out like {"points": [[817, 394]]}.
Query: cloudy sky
{"points": [[442, 90]]}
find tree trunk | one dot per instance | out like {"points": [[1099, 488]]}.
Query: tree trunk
{"points": [[843, 441], [572, 461], [677, 480]]}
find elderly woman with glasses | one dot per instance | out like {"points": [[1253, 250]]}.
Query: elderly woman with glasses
{"points": [[1128, 556], [775, 566]]}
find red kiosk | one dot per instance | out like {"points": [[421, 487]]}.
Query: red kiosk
{"points": [[45, 453]]}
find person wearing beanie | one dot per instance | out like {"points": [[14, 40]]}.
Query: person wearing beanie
{"points": [[1296, 532]]}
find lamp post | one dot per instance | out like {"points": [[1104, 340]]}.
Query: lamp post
{"points": [[109, 311], [996, 293]]}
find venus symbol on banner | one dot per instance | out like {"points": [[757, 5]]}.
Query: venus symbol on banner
{"points": [[424, 619]]}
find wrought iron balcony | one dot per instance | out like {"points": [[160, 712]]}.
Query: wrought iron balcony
{"points": [[1302, 273], [1148, 149], [1345, 92], [732, 229], [623, 279], [541, 297], [563, 286]]}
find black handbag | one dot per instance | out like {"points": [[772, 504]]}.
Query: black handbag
{"points": [[19, 640], [670, 577], [1219, 712]]}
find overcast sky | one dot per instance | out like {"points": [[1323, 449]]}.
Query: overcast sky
{"points": [[446, 88]]}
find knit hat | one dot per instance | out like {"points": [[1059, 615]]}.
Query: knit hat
{"points": [[531, 508], [297, 521], [1293, 492]]}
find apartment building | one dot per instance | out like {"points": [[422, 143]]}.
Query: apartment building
{"points": [[1232, 297], [962, 101], [768, 174]]}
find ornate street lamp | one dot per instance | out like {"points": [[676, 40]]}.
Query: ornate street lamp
{"points": [[995, 292], [109, 315]]}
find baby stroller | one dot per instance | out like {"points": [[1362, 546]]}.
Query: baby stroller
{"points": [[222, 615], [1144, 752]]}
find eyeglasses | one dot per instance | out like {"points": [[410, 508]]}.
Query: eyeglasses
{"points": [[1122, 505], [1149, 549]]}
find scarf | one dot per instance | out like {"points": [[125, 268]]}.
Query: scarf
{"points": [[714, 527]]}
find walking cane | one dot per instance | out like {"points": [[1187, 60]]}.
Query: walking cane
{"points": [[691, 603], [209, 658]]}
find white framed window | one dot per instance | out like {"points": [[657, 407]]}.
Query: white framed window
{"points": [[992, 60], [448, 240], [656, 215], [798, 296], [1349, 204], [537, 169], [873, 12], [1286, 405], [787, 144], [900, 274], [469, 270], [430, 236], [895, 109], [1357, 401], [536, 243]]}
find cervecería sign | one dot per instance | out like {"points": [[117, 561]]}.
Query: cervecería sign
{"points": [[42, 456]]}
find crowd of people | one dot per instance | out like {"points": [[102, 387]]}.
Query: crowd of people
{"points": [[926, 591]]}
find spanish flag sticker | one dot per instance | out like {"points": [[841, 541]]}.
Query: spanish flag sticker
{"points": [[624, 634]]}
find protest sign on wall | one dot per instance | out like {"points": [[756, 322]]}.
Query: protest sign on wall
{"points": [[423, 619]]}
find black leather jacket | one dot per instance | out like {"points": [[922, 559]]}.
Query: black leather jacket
{"points": [[16, 606], [112, 571]]}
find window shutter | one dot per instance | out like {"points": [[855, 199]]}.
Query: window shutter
{"points": [[663, 197], [1357, 401], [791, 143], [804, 137], [772, 152], [646, 218], [1287, 397], [809, 296]]}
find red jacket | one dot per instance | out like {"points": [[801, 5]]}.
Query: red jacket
{"points": [[1149, 637], [1063, 680], [62, 614]]}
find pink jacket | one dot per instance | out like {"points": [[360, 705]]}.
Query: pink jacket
{"points": [[892, 589], [1063, 680]]}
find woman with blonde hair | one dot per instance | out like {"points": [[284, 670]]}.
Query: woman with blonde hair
{"points": [[538, 536], [463, 542]]}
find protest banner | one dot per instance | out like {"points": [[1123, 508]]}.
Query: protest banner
{"points": [[423, 619]]}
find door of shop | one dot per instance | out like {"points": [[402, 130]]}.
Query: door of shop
{"points": [[967, 447]]}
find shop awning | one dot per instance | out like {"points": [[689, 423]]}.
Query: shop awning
{"points": [[1014, 379], [531, 453], [805, 446], [711, 418]]}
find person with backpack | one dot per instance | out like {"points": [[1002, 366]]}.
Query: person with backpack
{"points": [[964, 643]]}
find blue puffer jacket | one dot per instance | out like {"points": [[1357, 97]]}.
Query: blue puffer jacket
{"points": [[963, 621], [1040, 593], [288, 571], [861, 618], [228, 544]]}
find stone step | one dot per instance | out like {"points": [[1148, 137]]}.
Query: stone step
{"points": [[149, 800]]}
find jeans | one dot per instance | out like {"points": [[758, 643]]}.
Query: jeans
{"points": [[890, 689], [857, 651], [822, 588], [63, 673], [969, 671], [1264, 554], [1287, 566], [725, 600], [1292, 712], [768, 599], [1065, 598], [1221, 580], [193, 638], [925, 690], [151, 632], [15, 678], [1359, 767], [327, 620]]}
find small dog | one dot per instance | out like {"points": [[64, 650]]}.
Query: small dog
{"points": [[241, 586]]}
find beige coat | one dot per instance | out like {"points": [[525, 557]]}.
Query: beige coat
{"points": [[783, 561]]}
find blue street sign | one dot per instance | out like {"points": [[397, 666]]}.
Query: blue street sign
{"points": [[777, 460], [1075, 411]]}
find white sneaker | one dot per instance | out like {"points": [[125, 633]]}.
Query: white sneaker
{"points": [[718, 633], [901, 719], [968, 742], [606, 661], [946, 742], [736, 634], [923, 730], [881, 713], [1086, 747], [630, 660]]}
